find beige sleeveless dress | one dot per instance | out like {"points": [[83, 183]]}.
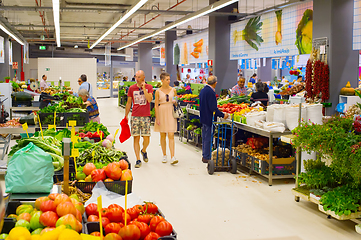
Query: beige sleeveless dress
{"points": [[165, 111]]}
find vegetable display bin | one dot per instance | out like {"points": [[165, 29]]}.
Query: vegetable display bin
{"points": [[59, 175], [81, 118], [9, 223], [13, 205], [48, 119], [91, 227], [262, 167], [114, 186]]}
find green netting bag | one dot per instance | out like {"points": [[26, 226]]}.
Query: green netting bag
{"points": [[30, 170]]}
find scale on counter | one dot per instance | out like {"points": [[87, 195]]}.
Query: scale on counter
{"points": [[34, 86]]}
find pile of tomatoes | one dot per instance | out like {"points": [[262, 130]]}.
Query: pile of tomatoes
{"points": [[143, 222], [233, 107]]}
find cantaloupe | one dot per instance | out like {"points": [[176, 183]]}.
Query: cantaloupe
{"points": [[347, 90]]}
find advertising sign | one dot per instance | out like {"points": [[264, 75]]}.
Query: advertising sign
{"points": [[10, 53], [191, 49], [357, 25], [2, 52], [284, 32], [162, 55]]}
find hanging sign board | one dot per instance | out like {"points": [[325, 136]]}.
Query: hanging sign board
{"points": [[15, 65], [162, 54], [285, 32]]}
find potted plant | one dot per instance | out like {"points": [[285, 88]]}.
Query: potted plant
{"points": [[7, 79]]}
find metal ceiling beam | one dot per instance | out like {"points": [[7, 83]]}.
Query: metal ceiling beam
{"points": [[5, 23], [120, 10], [100, 27]]}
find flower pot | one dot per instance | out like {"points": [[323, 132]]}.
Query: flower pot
{"points": [[7, 80]]}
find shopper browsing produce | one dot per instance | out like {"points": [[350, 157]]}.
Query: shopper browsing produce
{"points": [[253, 79], [140, 94], [239, 89], [82, 81], [166, 124], [260, 95], [208, 106], [91, 105], [43, 84]]}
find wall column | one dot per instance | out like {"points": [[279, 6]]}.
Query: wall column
{"points": [[170, 36], [145, 59]]}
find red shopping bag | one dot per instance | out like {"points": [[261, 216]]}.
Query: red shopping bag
{"points": [[125, 132]]}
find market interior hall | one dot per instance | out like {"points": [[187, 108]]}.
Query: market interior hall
{"points": [[132, 120]]}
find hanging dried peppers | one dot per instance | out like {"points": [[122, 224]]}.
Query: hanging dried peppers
{"points": [[325, 83], [309, 79]]}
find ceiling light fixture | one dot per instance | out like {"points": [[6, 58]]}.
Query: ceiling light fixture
{"points": [[128, 13], [2, 27], [187, 18], [156, 47], [56, 9]]}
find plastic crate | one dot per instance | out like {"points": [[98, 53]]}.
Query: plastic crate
{"points": [[13, 205], [48, 119], [114, 186], [81, 118], [21, 103], [262, 167], [9, 224], [91, 227]]}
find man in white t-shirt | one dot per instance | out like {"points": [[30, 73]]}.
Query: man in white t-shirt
{"points": [[43, 84]]}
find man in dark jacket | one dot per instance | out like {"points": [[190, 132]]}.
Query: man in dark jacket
{"points": [[208, 106]]}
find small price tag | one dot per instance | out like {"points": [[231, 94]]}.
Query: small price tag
{"points": [[75, 152], [74, 139], [72, 123], [100, 135], [54, 118], [93, 154], [25, 126], [52, 127], [99, 200]]}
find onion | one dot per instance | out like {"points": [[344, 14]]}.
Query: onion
{"points": [[110, 137], [107, 144]]}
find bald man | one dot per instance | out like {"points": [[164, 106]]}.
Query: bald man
{"points": [[140, 95]]}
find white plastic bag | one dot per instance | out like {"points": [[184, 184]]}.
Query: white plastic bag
{"points": [[259, 123], [292, 115], [109, 197], [279, 114], [314, 113], [270, 113], [274, 127], [252, 117]]}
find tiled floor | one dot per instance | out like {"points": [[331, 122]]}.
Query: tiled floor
{"points": [[221, 206]]}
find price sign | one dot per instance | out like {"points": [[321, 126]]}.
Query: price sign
{"points": [[25, 128], [74, 139], [100, 216], [72, 123], [52, 127], [15, 65]]}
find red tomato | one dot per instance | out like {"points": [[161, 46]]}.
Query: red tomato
{"points": [[145, 218], [150, 208], [115, 214], [130, 232], [112, 228], [112, 236], [52, 196], [164, 228], [93, 218], [154, 222], [126, 215], [152, 236], [104, 212], [139, 208], [114, 206], [97, 234], [123, 164], [91, 209], [113, 171], [65, 208], [48, 218], [98, 175], [133, 213], [143, 227], [61, 198], [105, 221], [48, 205]]}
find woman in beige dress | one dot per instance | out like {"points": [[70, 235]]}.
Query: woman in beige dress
{"points": [[165, 123]]}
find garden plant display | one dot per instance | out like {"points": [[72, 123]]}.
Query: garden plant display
{"points": [[143, 221]]}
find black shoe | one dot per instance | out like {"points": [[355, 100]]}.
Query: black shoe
{"points": [[138, 164], [145, 156], [204, 160]]}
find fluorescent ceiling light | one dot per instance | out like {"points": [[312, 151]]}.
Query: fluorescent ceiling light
{"points": [[56, 9], [11, 34], [187, 18], [156, 47], [129, 12], [113, 54]]}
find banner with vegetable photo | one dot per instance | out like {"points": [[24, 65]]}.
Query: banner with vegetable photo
{"points": [[357, 25], [284, 32], [192, 49]]}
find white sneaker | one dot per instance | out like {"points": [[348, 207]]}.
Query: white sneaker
{"points": [[164, 159], [173, 161]]}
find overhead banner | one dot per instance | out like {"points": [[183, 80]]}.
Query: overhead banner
{"points": [[284, 32], [191, 49], [2, 52], [357, 25], [108, 54], [162, 54], [10, 53], [26, 53]]}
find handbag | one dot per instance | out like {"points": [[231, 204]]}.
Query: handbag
{"points": [[177, 111]]}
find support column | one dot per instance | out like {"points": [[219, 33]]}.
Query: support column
{"points": [[170, 36], [145, 59], [219, 47], [330, 18], [111, 79]]}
